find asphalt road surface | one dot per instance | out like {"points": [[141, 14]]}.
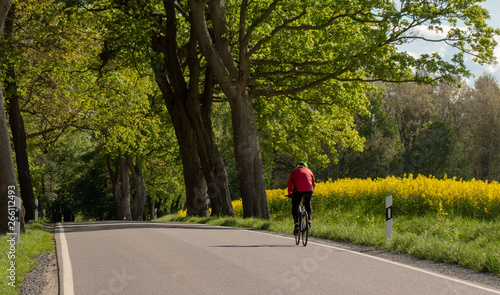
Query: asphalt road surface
{"points": [[176, 258]]}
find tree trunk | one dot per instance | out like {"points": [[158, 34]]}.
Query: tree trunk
{"points": [[141, 192], [121, 187], [194, 181], [115, 180], [18, 132], [4, 10], [124, 201], [213, 167], [20, 147], [249, 164], [233, 77], [7, 169], [202, 164], [170, 79], [8, 179]]}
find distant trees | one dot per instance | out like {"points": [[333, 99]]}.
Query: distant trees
{"points": [[480, 131], [437, 130]]}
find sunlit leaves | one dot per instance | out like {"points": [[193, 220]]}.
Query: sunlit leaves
{"points": [[307, 130], [120, 115]]}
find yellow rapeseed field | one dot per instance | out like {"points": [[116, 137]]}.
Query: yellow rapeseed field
{"points": [[412, 195]]}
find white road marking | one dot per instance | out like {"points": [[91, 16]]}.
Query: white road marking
{"points": [[68, 288], [394, 263]]}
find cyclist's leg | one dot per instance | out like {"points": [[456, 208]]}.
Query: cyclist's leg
{"points": [[296, 198], [307, 204]]}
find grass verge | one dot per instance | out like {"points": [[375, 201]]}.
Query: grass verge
{"points": [[23, 256], [468, 242]]}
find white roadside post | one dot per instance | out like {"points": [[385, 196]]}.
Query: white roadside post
{"points": [[36, 210], [17, 222], [388, 217]]}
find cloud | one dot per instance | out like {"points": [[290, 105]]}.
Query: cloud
{"points": [[495, 69], [425, 32], [418, 47]]}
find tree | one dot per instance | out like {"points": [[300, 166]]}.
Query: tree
{"points": [[293, 130], [125, 127], [180, 78], [7, 172], [17, 125], [40, 89], [380, 148], [247, 45], [410, 106]]}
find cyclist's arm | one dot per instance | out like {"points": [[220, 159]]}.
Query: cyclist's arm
{"points": [[313, 181], [289, 184]]}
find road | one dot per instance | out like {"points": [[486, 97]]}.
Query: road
{"points": [[176, 258]]}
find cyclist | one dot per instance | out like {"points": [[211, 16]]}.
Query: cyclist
{"points": [[300, 185]]}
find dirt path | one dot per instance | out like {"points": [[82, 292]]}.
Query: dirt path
{"points": [[43, 278]]}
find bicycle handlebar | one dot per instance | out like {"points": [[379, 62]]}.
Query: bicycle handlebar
{"points": [[290, 196]]}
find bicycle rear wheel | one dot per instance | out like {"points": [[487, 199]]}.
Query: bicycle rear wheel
{"points": [[304, 228], [297, 237]]}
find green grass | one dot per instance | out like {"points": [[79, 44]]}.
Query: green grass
{"points": [[35, 241], [468, 242]]}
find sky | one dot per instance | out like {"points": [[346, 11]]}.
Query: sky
{"points": [[418, 48]]}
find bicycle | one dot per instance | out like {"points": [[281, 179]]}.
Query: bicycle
{"points": [[303, 226]]}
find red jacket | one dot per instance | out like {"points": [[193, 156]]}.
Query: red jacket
{"points": [[301, 180]]}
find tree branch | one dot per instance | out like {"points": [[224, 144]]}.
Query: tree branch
{"points": [[199, 24], [283, 26]]}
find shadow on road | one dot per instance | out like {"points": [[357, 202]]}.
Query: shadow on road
{"points": [[90, 226], [254, 246]]}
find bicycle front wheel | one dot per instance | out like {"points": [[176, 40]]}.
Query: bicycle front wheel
{"points": [[305, 229]]}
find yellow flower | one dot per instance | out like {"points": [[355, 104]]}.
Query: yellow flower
{"points": [[237, 207], [182, 213], [473, 198]]}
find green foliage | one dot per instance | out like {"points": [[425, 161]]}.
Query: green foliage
{"points": [[299, 129], [91, 190], [308, 90], [76, 179], [120, 113], [352, 40], [49, 50]]}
